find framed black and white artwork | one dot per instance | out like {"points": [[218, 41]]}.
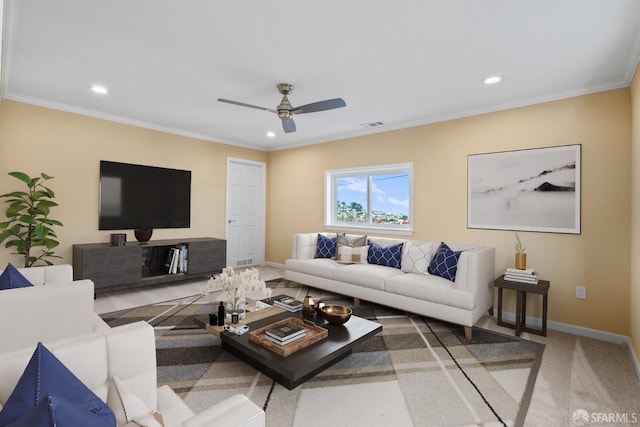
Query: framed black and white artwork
{"points": [[525, 190]]}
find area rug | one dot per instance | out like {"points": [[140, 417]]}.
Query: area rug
{"points": [[416, 372]]}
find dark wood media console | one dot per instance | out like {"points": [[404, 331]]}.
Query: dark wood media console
{"points": [[122, 267]]}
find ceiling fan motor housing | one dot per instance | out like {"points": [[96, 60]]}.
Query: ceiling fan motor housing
{"points": [[284, 108]]}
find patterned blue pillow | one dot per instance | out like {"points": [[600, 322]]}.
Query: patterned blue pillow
{"points": [[445, 262], [326, 247], [12, 278], [389, 256], [46, 376]]}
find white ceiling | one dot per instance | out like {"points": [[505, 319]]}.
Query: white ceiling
{"points": [[403, 63]]}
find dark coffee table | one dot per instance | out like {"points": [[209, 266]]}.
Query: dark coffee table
{"points": [[297, 368]]}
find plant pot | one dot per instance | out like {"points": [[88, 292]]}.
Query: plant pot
{"points": [[521, 261]]}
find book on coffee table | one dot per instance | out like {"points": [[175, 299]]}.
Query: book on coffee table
{"points": [[284, 341], [285, 331], [288, 303], [312, 335]]}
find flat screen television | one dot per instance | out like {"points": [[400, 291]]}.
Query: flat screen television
{"points": [[137, 197]]}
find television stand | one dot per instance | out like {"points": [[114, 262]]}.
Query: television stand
{"points": [[138, 264]]}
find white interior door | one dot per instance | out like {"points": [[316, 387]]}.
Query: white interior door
{"points": [[245, 232]]}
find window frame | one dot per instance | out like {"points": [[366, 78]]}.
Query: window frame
{"points": [[330, 198]]}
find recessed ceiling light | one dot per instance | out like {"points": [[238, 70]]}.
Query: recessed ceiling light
{"points": [[492, 80], [271, 134], [99, 89]]}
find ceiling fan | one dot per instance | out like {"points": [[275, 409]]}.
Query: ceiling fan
{"points": [[285, 110]]}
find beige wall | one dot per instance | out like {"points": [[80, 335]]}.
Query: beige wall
{"points": [[598, 258], [69, 147], [634, 293]]}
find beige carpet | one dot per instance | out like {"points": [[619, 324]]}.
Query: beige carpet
{"points": [[582, 375]]}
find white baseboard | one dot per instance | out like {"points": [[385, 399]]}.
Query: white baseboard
{"points": [[275, 265], [583, 332]]}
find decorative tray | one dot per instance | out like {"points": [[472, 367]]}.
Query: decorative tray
{"points": [[313, 335]]}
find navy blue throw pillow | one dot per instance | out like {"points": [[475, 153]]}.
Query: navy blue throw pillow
{"points": [[445, 262], [389, 256], [326, 247], [12, 278], [45, 376]]}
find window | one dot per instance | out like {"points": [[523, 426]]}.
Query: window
{"points": [[376, 198]]}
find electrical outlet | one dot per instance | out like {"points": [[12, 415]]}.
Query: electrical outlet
{"points": [[581, 292]]}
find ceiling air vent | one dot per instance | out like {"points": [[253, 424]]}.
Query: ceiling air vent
{"points": [[372, 124]]}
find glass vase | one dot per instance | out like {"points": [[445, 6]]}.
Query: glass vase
{"points": [[236, 304]]}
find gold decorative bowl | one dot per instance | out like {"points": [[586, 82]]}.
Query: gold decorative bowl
{"points": [[336, 314]]}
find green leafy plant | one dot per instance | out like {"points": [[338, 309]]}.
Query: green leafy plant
{"points": [[28, 224], [519, 248]]}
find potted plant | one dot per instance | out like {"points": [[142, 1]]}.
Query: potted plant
{"points": [[521, 256], [28, 224]]}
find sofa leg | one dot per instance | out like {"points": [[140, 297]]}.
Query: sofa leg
{"points": [[468, 332], [356, 302]]}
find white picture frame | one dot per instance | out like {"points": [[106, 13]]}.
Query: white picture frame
{"points": [[535, 189]]}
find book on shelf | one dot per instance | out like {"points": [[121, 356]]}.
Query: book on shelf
{"points": [[288, 303], [177, 259], [285, 333]]}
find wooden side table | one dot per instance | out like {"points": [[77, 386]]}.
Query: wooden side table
{"points": [[542, 288]]}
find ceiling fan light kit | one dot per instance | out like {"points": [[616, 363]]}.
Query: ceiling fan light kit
{"points": [[285, 110]]}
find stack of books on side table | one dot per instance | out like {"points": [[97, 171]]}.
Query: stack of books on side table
{"points": [[529, 275], [284, 334], [288, 303]]}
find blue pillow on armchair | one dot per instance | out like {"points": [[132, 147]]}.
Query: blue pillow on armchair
{"points": [[47, 384], [389, 256], [12, 278], [326, 247], [445, 262]]}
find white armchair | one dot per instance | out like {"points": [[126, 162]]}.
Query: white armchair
{"points": [[129, 353], [55, 307]]}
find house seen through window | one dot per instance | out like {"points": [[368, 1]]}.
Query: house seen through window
{"points": [[377, 197]]}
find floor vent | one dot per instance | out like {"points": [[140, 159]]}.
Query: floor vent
{"points": [[244, 262]]}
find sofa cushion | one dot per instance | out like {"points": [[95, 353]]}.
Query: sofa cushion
{"points": [[416, 257], [389, 256], [11, 278], [326, 247], [351, 241], [445, 262], [430, 288], [45, 374], [366, 275], [352, 255], [321, 267]]}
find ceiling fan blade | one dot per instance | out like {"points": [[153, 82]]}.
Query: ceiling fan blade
{"points": [[242, 104], [328, 104], [288, 126]]}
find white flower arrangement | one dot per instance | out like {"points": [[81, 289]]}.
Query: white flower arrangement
{"points": [[237, 284]]}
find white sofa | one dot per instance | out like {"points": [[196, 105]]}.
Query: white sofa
{"points": [[129, 352], [55, 307], [461, 302]]}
